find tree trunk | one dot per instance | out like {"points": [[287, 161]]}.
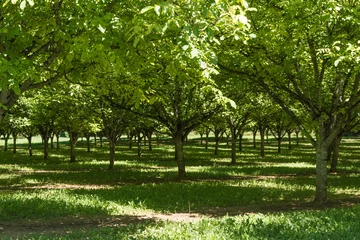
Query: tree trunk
{"points": [[112, 144], [217, 139], [201, 138], [52, 140], [14, 135], [95, 140], [88, 142], [6, 139], [179, 157], [297, 137], [57, 140], [207, 140], [240, 142], [139, 144], [289, 139], [267, 135], [233, 146], [101, 141], [321, 172], [278, 144], [45, 139], [262, 142], [74, 136], [335, 154], [254, 138], [29, 138], [72, 152], [150, 141], [130, 142]]}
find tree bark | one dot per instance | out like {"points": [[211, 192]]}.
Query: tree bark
{"points": [[6, 139], [254, 138], [45, 139], [240, 142], [74, 136], [233, 146], [52, 140], [46, 147], [207, 139], [29, 138], [335, 154], [297, 137], [179, 157], [87, 136], [321, 173], [57, 140], [139, 139], [14, 135], [289, 139], [112, 144], [262, 141], [150, 141], [278, 144]]}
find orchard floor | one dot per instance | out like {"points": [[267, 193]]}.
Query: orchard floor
{"points": [[57, 198], [67, 225]]}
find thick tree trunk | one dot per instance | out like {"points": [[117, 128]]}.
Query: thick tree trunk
{"points": [[112, 144], [179, 157], [29, 138], [335, 154], [217, 139], [321, 173]]}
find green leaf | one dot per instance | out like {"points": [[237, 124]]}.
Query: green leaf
{"points": [[16, 89], [136, 41], [12, 70], [102, 30], [196, 31], [145, 9], [157, 9], [23, 5], [194, 53]]}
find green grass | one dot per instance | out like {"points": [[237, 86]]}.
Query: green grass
{"points": [[34, 189]]}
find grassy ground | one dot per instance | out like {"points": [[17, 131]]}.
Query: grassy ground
{"points": [[269, 198]]}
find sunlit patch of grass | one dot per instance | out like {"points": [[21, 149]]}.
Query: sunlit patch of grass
{"points": [[58, 203]]}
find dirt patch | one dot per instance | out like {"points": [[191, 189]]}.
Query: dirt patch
{"points": [[69, 224]]}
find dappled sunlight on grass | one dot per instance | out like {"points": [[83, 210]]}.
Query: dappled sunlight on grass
{"points": [[35, 188]]}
